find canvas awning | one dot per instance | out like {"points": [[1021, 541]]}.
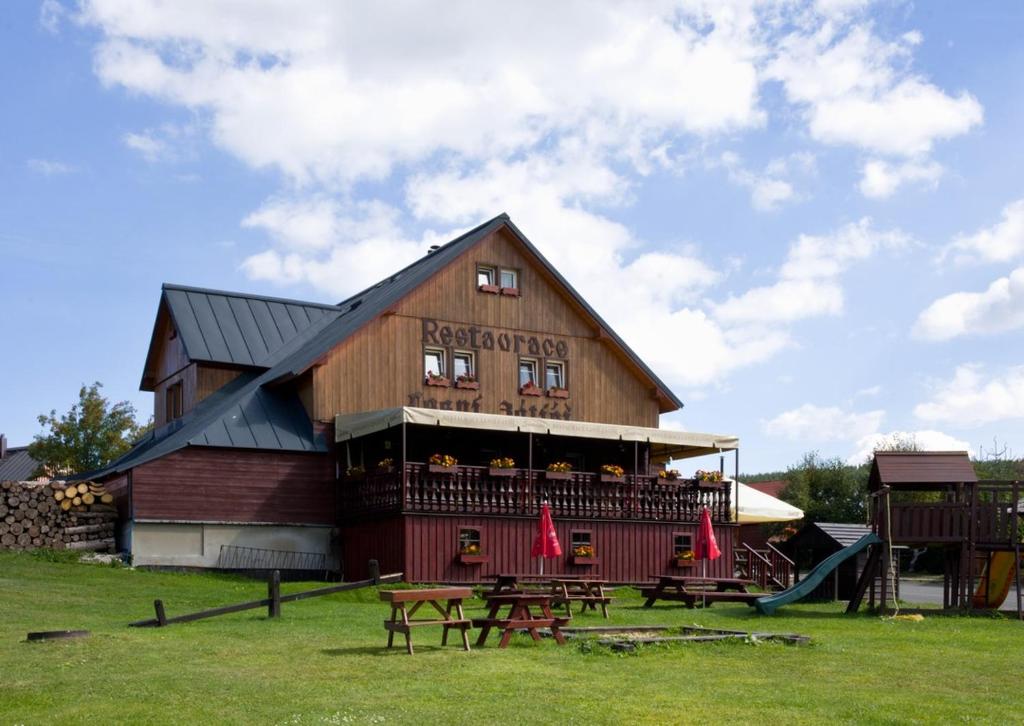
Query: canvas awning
{"points": [[664, 444], [759, 508]]}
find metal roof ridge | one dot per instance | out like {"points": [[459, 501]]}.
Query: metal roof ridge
{"points": [[247, 296]]}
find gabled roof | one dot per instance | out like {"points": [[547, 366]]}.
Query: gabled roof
{"points": [[253, 411], [233, 328], [840, 534], [907, 469], [17, 465]]}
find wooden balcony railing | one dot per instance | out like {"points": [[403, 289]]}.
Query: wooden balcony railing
{"points": [[473, 490]]}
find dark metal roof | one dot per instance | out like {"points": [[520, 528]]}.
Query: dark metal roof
{"points": [[838, 533], [17, 465], [236, 329], [906, 469]]}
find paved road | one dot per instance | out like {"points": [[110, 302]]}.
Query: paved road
{"points": [[929, 592]]}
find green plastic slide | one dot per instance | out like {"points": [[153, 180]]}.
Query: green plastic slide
{"points": [[768, 604]]}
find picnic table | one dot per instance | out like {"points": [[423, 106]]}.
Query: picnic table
{"points": [[688, 590], [589, 593], [525, 610], [401, 617], [510, 583]]}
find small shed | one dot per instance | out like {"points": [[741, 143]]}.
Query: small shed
{"points": [[818, 540]]}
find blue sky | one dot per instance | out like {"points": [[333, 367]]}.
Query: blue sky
{"points": [[808, 218]]}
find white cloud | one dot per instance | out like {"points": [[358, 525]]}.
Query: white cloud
{"points": [[968, 399], [880, 179], [768, 189], [1002, 242], [808, 283], [51, 12], [854, 92], [49, 167], [150, 147], [817, 423], [998, 309], [869, 391], [923, 440]]}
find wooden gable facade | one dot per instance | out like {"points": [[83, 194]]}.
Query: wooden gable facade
{"points": [[382, 366]]}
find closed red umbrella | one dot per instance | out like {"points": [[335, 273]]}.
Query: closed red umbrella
{"points": [[705, 547], [546, 542]]}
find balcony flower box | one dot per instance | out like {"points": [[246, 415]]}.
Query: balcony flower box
{"points": [[439, 469], [558, 475], [581, 561], [439, 381], [465, 559], [530, 389], [710, 484], [612, 479], [468, 385], [492, 289], [558, 393], [510, 291], [495, 471]]}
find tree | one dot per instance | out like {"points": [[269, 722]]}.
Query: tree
{"points": [[828, 490], [90, 435]]}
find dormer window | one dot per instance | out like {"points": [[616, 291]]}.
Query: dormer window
{"points": [[175, 401]]}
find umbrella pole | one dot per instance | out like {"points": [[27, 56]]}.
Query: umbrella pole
{"points": [[703, 588]]}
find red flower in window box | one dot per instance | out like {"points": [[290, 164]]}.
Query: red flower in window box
{"points": [[556, 392], [467, 382], [530, 389], [433, 379]]}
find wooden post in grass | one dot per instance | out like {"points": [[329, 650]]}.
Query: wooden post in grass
{"points": [[161, 616], [274, 594], [374, 569]]}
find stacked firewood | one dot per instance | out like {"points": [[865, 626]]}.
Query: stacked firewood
{"points": [[57, 515]]}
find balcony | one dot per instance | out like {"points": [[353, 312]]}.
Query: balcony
{"points": [[474, 490]]}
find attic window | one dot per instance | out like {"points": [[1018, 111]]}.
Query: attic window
{"points": [[487, 279], [175, 401], [509, 282]]}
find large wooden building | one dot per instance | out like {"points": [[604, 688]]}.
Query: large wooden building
{"points": [[303, 428]]}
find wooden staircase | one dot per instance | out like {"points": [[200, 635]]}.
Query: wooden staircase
{"points": [[769, 568]]}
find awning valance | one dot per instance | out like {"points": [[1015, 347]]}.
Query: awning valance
{"points": [[664, 443]]}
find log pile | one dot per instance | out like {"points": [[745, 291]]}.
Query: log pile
{"points": [[56, 515]]}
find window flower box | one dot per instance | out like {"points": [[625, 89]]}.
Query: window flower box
{"points": [[439, 381], [584, 560], [468, 385], [613, 479], [558, 393], [496, 471], [683, 564], [530, 389], [510, 291], [492, 289], [478, 559]]}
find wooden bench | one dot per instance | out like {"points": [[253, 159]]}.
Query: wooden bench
{"points": [[401, 617], [689, 590]]}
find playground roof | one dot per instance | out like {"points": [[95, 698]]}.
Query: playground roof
{"points": [[918, 469], [827, 534]]}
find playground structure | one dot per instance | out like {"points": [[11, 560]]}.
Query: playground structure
{"points": [[932, 499], [935, 499]]}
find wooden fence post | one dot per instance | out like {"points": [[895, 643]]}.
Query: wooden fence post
{"points": [[274, 594], [161, 616], [374, 568]]}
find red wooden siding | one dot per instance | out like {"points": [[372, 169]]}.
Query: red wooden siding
{"points": [[235, 485], [628, 551], [381, 540]]}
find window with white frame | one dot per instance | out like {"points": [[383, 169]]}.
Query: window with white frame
{"points": [[464, 366], [433, 363], [527, 372], [510, 279], [485, 275], [554, 374]]}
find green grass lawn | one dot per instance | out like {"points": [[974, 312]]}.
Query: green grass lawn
{"points": [[324, 662]]}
